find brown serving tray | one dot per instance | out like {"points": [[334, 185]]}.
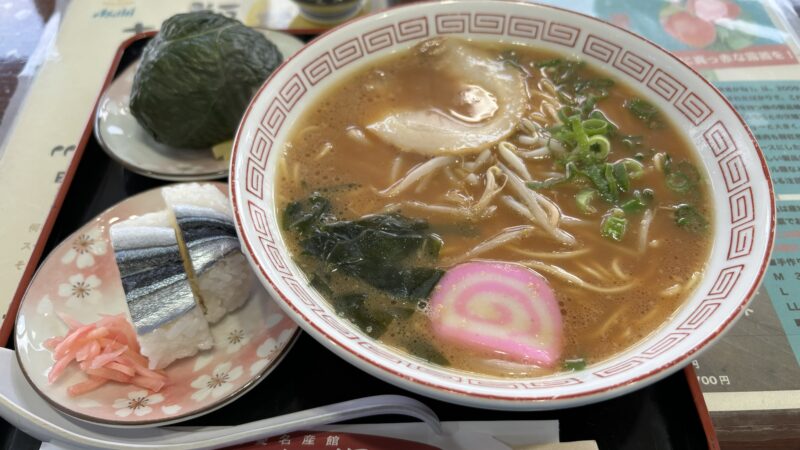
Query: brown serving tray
{"points": [[668, 414]]}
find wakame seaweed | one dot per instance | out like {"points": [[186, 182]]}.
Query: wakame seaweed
{"points": [[689, 218], [574, 364], [575, 90], [387, 251], [644, 111], [426, 351], [353, 307]]}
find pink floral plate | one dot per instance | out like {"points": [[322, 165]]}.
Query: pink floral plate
{"points": [[80, 278]]}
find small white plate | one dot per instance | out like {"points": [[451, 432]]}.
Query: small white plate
{"points": [[126, 142], [80, 278]]}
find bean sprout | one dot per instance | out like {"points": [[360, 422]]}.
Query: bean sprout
{"points": [[548, 86], [492, 188], [528, 126], [644, 228], [415, 174], [482, 159], [507, 152], [456, 211], [555, 255], [326, 148], [538, 215], [524, 139], [395, 172], [618, 270], [540, 152], [498, 240]]}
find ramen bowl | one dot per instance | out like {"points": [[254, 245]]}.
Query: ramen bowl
{"points": [[739, 185]]}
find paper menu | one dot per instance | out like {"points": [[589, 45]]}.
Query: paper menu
{"points": [[706, 34], [756, 365]]}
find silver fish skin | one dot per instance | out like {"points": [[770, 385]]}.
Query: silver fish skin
{"points": [[209, 235], [154, 280]]}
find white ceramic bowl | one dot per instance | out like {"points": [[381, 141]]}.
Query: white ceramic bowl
{"points": [[742, 193]]}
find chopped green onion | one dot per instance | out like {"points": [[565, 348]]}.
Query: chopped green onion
{"points": [[597, 114], [688, 218], [566, 112], [587, 104], [600, 147], [569, 173], [678, 182], [640, 201], [596, 173], [614, 224], [595, 126], [633, 205], [557, 129], [584, 199], [579, 134], [625, 170], [621, 175], [683, 177], [634, 168], [608, 173], [562, 134]]}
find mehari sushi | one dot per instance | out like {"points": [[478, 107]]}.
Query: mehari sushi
{"points": [[218, 269], [168, 320]]}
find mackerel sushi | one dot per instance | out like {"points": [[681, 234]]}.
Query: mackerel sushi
{"points": [[217, 268], [168, 320]]}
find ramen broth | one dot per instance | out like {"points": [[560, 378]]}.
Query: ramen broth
{"points": [[623, 258]]}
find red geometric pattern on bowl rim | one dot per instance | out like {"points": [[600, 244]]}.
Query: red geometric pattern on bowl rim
{"points": [[532, 27], [742, 206]]}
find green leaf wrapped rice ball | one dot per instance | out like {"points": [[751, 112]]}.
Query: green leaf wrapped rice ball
{"points": [[197, 76]]}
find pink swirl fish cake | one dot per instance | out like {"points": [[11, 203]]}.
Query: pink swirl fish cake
{"points": [[503, 309]]}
